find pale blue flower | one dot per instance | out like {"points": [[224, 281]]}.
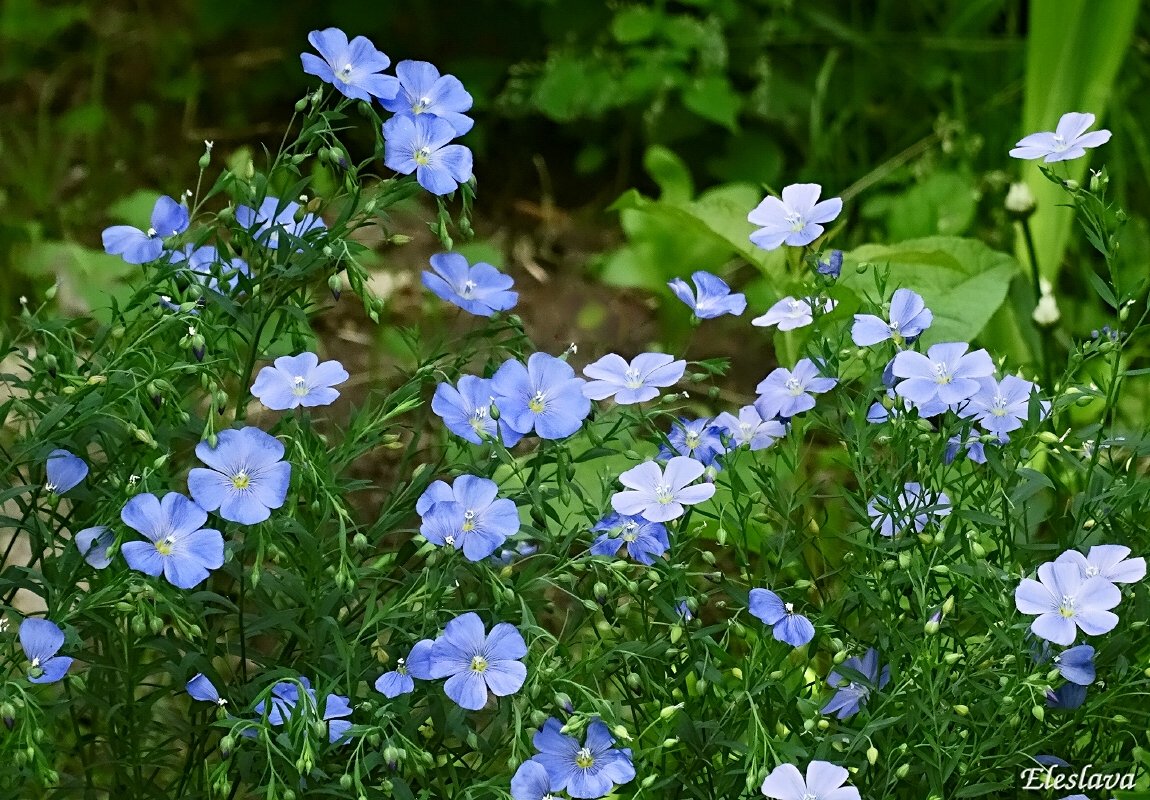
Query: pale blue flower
{"points": [[1067, 141], [796, 219]]}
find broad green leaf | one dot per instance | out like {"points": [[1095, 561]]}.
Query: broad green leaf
{"points": [[670, 174], [962, 280], [634, 24], [714, 99], [942, 204]]}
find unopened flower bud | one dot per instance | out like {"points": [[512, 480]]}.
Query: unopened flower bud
{"points": [[872, 754], [902, 771], [1020, 202]]}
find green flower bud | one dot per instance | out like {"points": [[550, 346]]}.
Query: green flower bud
{"points": [[902, 771], [872, 755]]}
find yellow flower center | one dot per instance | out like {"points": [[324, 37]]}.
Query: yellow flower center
{"points": [[164, 546], [422, 156], [478, 664], [584, 759], [537, 403], [241, 480]]}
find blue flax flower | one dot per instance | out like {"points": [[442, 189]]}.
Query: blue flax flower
{"points": [[65, 471], [589, 770], [466, 411], [785, 393], [1000, 406], [423, 145], [1065, 601], [201, 688], [1076, 664], [531, 782], [852, 694], [699, 439], [287, 701], [823, 781], [300, 380], [908, 318], [397, 682], [944, 377], [1068, 696], [749, 429], [275, 216], [478, 288], [422, 90], [135, 246], [467, 516], [914, 507], [792, 313], [207, 267], [1066, 142], [634, 382], [41, 640], [543, 396], [642, 540], [712, 298], [658, 495], [1109, 561], [178, 545], [832, 267], [796, 219], [975, 447], [94, 543], [353, 68], [787, 626], [474, 661], [246, 478]]}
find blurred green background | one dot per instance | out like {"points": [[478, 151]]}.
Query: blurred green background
{"points": [[905, 109]]}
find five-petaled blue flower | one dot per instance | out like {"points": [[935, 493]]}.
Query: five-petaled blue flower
{"points": [[466, 411], [832, 267], [914, 507], [796, 219], [178, 545], [544, 396], [135, 246], [41, 640], [1076, 664], [1065, 601], [791, 313], [823, 781], [853, 693], [589, 770], [700, 439], [422, 90], [785, 393], [634, 382], [467, 516], [478, 288], [1000, 406], [712, 298], [94, 543], [1067, 141], [1109, 561], [944, 377], [207, 267], [275, 216], [246, 475], [353, 68], [642, 540], [474, 661], [909, 317], [201, 688], [749, 429], [531, 782], [65, 471], [399, 680], [423, 145], [787, 626], [658, 495], [287, 701], [299, 381]]}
